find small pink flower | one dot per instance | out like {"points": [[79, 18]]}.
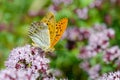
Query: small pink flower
{"points": [[111, 54], [82, 13], [72, 34], [52, 8], [85, 65], [110, 33], [94, 71]]}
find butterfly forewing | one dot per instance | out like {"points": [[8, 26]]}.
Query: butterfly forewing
{"points": [[49, 20], [59, 30]]}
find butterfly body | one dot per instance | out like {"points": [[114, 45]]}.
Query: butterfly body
{"points": [[46, 33]]}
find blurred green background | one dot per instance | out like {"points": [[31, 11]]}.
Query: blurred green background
{"points": [[17, 15]]}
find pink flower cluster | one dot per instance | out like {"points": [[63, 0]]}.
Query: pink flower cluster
{"points": [[93, 71], [98, 41], [13, 74], [26, 63], [111, 54], [110, 76]]}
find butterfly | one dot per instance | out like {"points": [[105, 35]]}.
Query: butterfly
{"points": [[47, 32]]}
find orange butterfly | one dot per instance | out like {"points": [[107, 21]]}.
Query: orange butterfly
{"points": [[46, 33]]}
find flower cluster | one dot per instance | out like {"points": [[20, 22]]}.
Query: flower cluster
{"points": [[13, 74], [111, 54], [29, 61], [98, 41], [110, 76]]}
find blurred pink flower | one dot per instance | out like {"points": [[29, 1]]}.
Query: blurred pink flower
{"points": [[95, 3], [76, 34], [99, 27], [110, 33], [85, 65], [52, 8], [2, 27], [71, 34], [66, 2], [113, 1], [84, 34], [98, 40], [82, 13], [111, 54], [94, 71], [87, 52]]}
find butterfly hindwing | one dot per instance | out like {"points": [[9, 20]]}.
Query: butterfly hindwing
{"points": [[39, 33]]}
